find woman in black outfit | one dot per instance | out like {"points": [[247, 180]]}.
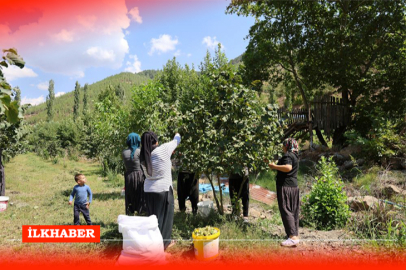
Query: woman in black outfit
{"points": [[288, 191], [134, 177]]}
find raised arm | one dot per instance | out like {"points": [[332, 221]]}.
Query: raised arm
{"points": [[171, 146]]}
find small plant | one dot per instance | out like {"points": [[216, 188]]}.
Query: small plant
{"points": [[206, 231], [325, 208]]}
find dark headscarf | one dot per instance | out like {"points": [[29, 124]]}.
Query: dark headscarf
{"points": [[133, 142], [148, 141], [291, 145]]}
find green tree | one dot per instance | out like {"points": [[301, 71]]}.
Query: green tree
{"points": [[110, 124], [17, 96], [76, 101], [85, 99], [11, 113], [356, 47], [50, 100], [170, 78], [226, 127], [276, 40]]}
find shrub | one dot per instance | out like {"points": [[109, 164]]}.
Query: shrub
{"points": [[381, 141], [325, 208]]}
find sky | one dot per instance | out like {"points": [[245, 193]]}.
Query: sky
{"points": [[89, 40]]}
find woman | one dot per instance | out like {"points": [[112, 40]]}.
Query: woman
{"points": [[156, 162], [287, 190], [134, 177]]}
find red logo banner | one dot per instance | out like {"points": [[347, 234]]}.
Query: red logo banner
{"points": [[60, 233]]}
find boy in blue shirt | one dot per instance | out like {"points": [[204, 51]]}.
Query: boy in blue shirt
{"points": [[80, 192]]}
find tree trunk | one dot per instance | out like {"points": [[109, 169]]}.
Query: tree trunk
{"points": [[2, 176], [221, 195], [320, 137], [221, 210], [338, 135]]}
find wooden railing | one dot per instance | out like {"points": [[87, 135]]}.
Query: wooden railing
{"points": [[330, 113], [293, 116], [327, 113]]}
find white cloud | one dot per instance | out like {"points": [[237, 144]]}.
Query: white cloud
{"points": [[58, 39], [64, 36], [59, 94], [211, 42], [101, 54], [12, 72], [135, 15], [33, 101], [163, 44], [43, 86], [189, 55], [177, 53], [127, 32], [134, 67]]}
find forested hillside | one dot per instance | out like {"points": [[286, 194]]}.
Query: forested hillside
{"points": [[63, 105]]}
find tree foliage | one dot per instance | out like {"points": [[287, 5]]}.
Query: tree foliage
{"points": [[325, 208], [50, 100], [9, 109], [17, 96], [358, 47], [76, 101], [85, 99], [225, 130], [110, 128]]}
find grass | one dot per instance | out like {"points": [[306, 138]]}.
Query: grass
{"points": [[39, 192]]}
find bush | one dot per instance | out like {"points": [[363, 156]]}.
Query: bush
{"points": [[325, 208], [381, 141]]}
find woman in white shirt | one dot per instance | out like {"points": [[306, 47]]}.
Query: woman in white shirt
{"points": [[156, 163]]}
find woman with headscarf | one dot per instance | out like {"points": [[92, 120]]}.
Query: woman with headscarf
{"points": [[287, 190], [134, 177], [156, 162]]}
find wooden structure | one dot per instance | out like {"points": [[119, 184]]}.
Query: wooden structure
{"points": [[327, 114]]}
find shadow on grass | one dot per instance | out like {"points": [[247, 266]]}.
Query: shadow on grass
{"points": [[107, 196], [93, 171], [66, 192]]}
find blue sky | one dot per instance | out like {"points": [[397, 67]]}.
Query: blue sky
{"points": [[87, 44]]}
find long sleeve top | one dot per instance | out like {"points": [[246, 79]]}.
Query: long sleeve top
{"points": [[131, 165], [80, 193], [161, 178]]}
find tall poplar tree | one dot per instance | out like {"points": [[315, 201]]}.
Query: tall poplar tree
{"points": [[85, 97], [76, 101], [50, 100]]}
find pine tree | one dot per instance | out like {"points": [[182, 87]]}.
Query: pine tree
{"points": [[50, 100], [18, 95], [85, 96], [76, 102]]}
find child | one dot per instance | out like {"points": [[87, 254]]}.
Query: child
{"points": [[80, 192]]}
